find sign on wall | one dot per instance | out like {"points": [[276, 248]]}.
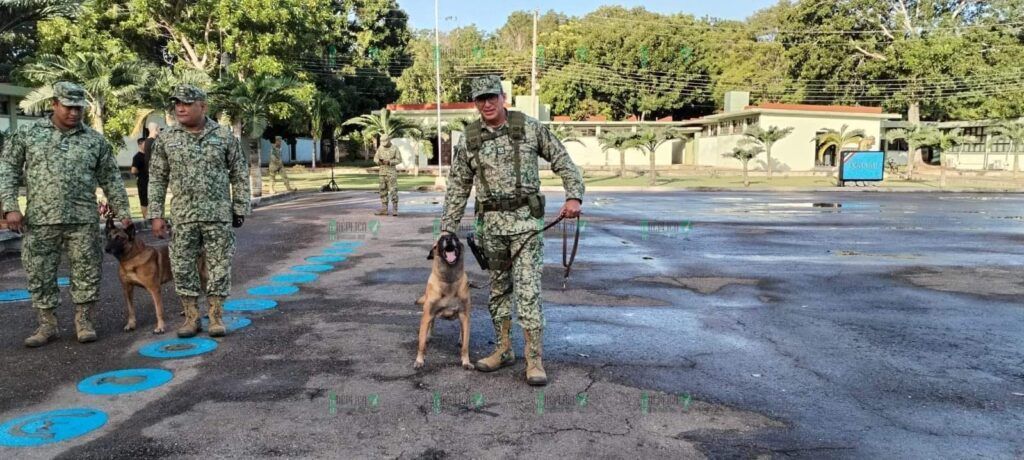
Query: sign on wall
{"points": [[862, 166]]}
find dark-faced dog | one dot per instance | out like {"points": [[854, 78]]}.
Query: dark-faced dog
{"points": [[144, 266], [447, 295]]}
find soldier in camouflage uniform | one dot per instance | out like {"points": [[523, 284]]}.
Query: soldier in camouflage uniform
{"points": [[202, 164], [277, 167], [388, 158], [499, 155], [62, 162]]}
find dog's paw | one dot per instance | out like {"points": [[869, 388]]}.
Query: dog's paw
{"points": [[468, 366], [418, 364], [159, 329], [130, 326]]}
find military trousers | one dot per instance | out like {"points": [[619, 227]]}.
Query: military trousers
{"points": [[388, 185], [276, 170], [41, 253], [518, 287], [189, 240]]}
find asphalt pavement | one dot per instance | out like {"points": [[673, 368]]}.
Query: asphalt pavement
{"points": [[720, 325]]}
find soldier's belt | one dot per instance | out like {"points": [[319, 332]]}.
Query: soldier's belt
{"points": [[510, 204]]}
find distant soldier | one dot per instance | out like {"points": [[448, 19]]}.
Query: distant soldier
{"points": [[202, 164], [499, 156], [388, 157], [140, 169], [62, 162], [277, 166]]}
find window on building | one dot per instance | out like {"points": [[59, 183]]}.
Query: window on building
{"points": [[737, 127], [976, 131], [1002, 148], [585, 131], [895, 146]]}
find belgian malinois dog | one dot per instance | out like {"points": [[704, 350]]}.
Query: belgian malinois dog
{"points": [[145, 266], [447, 295]]}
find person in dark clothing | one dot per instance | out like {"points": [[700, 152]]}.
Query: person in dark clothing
{"points": [[140, 169]]}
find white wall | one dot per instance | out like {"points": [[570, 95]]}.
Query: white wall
{"points": [[796, 152]]}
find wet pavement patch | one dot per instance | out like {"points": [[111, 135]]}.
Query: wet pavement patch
{"points": [[998, 281], [294, 278], [231, 322], [325, 259], [124, 381], [701, 285], [178, 348], [14, 295], [311, 268], [273, 290], [49, 427], [249, 304]]}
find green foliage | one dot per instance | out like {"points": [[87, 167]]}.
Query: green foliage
{"points": [[767, 139], [838, 139], [384, 125], [18, 20], [745, 154]]}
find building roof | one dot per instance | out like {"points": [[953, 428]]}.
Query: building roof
{"points": [[833, 111]]}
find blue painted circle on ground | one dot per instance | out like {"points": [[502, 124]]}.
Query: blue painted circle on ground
{"points": [[231, 322], [347, 244], [63, 281], [14, 295], [294, 278], [313, 268], [325, 259], [338, 251], [124, 381], [178, 348], [49, 427], [273, 290], [249, 304]]}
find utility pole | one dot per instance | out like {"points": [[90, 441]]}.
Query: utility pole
{"points": [[533, 73], [439, 181]]}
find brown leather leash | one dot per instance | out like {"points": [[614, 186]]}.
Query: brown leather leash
{"points": [[567, 258]]}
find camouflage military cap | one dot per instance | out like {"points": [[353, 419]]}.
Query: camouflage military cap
{"points": [[187, 94], [69, 94], [487, 84]]}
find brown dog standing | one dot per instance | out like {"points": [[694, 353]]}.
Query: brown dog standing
{"points": [[144, 266], [447, 295]]}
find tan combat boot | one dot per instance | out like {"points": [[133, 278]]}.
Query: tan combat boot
{"points": [[534, 349], [191, 326], [383, 211], [216, 314], [47, 328], [83, 324], [503, 355], [394, 210]]}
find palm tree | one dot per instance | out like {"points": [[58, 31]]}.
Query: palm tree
{"points": [[916, 137], [648, 141], [745, 154], [838, 139], [385, 124], [1013, 131], [322, 109], [612, 140], [104, 81], [249, 104], [943, 141], [767, 138], [565, 135], [155, 95], [15, 13]]}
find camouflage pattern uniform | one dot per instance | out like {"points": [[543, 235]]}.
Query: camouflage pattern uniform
{"points": [[505, 231], [388, 157], [61, 171], [208, 177], [277, 167]]}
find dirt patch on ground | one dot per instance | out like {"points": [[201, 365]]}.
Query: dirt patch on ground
{"points": [[982, 281], [585, 297], [701, 285]]}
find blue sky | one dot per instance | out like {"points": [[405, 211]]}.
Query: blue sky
{"points": [[488, 15]]}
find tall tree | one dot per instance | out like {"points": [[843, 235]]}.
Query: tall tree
{"points": [[105, 83], [612, 140], [18, 20], [648, 141], [1013, 131], [916, 136], [767, 139], [385, 124], [745, 154], [251, 104], [943, 141], [321, 110]]}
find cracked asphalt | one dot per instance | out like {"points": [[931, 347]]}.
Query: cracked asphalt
{"points": [[719, 325]]}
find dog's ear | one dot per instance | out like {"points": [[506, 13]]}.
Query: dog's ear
{"points": [[110, 224], [131, 231], [430, 255]]}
